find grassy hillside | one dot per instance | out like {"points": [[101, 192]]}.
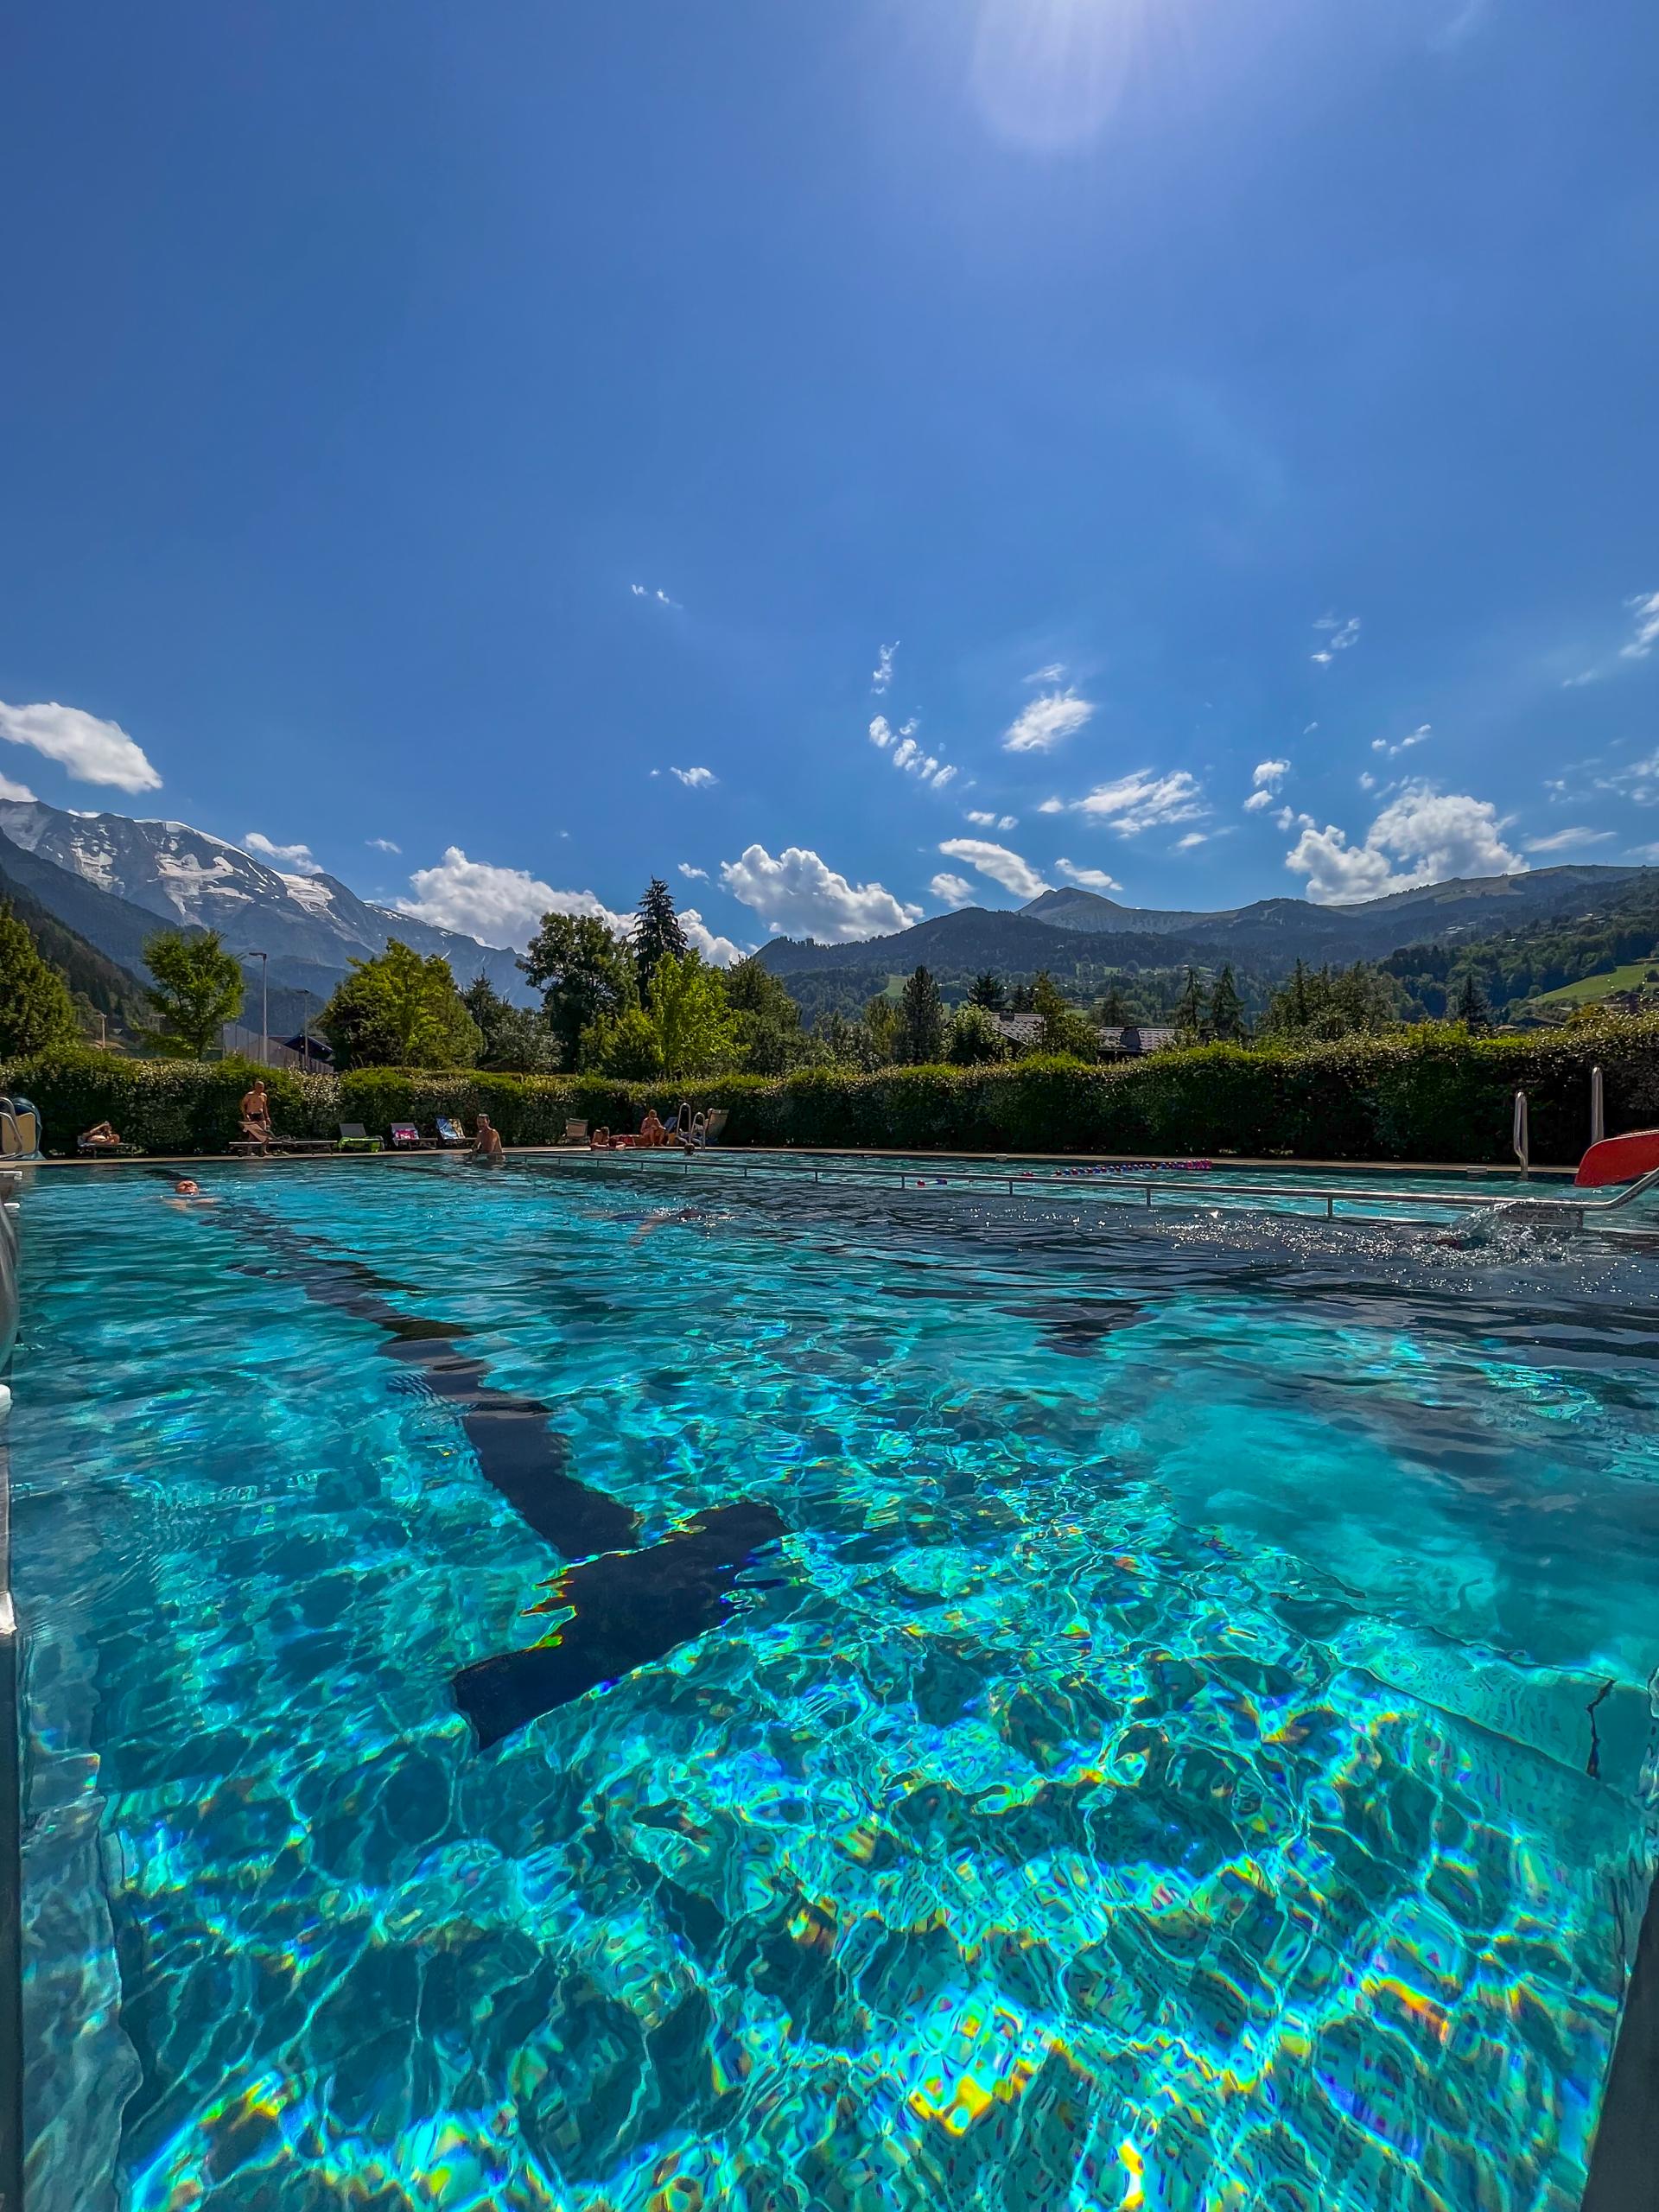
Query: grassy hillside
{"points": [[1589, 990]]}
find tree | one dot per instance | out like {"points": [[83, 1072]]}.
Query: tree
{"points": [[975, 1041], [1114, 1008], [585, 975], [35, 1008], [1226, 1011], [1470, 1006], [989, 991], [658, 934], [1189, 1010], [516, 1041], [770, 1040], [1064, 1030], [921, 1022], [197, 988], [627, 1048], [400, 1011], [695, 1026], [1344, 1002]]}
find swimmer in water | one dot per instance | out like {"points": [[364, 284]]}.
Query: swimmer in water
{"points": [[187, 1192], [487, 1145]]}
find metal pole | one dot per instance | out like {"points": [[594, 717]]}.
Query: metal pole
{"points": [[264, 1009], [1520, 1139], [1597, 1112]]}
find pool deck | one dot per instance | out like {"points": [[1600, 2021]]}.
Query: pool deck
{"points": [[187, 1162]]}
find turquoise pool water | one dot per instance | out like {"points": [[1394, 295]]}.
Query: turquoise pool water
{"points": [[1075, 1711]]}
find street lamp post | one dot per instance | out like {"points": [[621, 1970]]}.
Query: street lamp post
{"points": [[264, 1009]]}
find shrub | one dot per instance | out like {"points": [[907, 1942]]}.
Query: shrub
{"points": [[1424, 1094]]}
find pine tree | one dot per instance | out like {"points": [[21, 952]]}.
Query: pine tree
{"points": [[1189, 1008], [921, 1022], [35, 1008], [658, 934], [1114, 1008], [1226, 1012], [989, 991], [1470, 1006]]}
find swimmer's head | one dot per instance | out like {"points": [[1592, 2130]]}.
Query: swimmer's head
{"points": [[186, 1188]]}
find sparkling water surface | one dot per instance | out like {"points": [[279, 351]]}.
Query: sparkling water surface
{"points": [[1186, 1750]]}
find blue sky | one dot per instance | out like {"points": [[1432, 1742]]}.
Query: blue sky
{"points": [[545, 440]]}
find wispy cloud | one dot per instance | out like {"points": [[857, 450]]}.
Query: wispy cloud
{"points": [[501, 906], [1638, 783], [992, 821], [1054, 673], [646, 591], [93, 750], [1340, 635], [1569, 840], [1040, 726], [1089, 878], [18, 793], [382, 845], [698, 778], [952, 890], [1267, 776], [881, 675], [1193, 837], [801, 895], [299, 859], [693, 874], [1422, 836], [1418, 736], [906, 753], [1645, 605], [1142, 801], [997, 863]]}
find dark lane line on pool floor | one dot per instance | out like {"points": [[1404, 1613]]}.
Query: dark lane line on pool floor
{"points": [[630, 1606]]}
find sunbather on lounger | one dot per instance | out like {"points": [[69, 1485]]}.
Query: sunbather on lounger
{"points": [[100, 1136]]}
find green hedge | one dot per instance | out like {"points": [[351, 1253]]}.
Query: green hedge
{"points": [[1426, 1094]]}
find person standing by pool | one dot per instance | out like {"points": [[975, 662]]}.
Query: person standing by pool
{"points": [[256, 1113], [486, 1144]]}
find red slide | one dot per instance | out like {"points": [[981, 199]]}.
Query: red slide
{"points": [[1619, 1159]]}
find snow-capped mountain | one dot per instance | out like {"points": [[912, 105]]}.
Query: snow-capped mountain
{"points": [[310, 925]]}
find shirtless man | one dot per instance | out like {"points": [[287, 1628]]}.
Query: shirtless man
{"points": [[487, 1145], [256, 1113]]}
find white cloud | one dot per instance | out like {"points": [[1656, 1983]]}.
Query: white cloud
{"points": [[992, 821], [1569, 840], [1052, 806], [1367, 782], [698, 778], [1423, 836], [382, 845], [881, 675], [501, 906], [1267, 776], [1040, 726], [1645, 606], [1418, 736], [1054, 673], [719, 951], [1639, 782], [1142, 801], [693, 874], [1092, 879], [997, 863], [93, 751], [951, 890], [299, 858], [1193, 837], [803, 895], [9, 790], [644, 591], [1340, 636], [907, 755]]}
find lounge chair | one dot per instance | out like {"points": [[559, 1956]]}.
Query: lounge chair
{"points": [[353, 1137], [20, 1129], [451, 1135], [405, 1137], [574, 1132], [714, 1122], [100, 1148]]}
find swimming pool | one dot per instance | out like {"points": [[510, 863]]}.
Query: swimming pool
{"points": [[1073, 1710]]}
